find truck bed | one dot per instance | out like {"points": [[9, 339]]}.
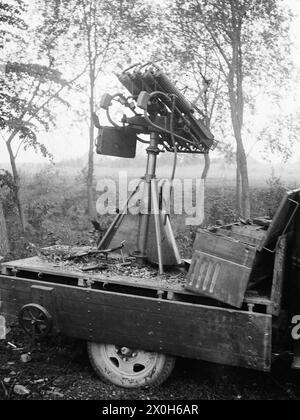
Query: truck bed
{"points": [[155, 314], [172, 281], [170, 286]]}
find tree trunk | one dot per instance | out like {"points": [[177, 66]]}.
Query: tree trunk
{"points": [[90, 176], [4, 244], [236, 99], [242, 181], [243, 170], [17, 186], [238, 189]]}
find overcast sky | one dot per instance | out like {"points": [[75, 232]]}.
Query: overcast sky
{"points": [[69, 141]]}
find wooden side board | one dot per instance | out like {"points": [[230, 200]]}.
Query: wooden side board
{"points": [[196, 331]]}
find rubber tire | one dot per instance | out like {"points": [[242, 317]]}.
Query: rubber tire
{"points": [[160, 372]]}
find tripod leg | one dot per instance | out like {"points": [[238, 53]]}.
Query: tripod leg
{"points": [[106, 238], [155, 207], [145, 209]]}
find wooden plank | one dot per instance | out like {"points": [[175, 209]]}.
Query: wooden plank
{"points": [[101, 325], [176, 290], [9, 308], [14, 295], [182, 329], [205, 333], [14, 285], [11, 301]]}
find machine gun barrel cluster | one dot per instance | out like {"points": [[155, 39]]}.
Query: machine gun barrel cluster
{"points": [[166, 111]]}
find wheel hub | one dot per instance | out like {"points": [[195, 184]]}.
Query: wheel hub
{"points": [[129, 362], [125, 352], [35, 320]]}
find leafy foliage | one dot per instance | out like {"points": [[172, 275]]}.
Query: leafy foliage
{"points": [[273, 194], [11, 16], [7, 191], [24, 92], [27, 90], [281, 134], [238, 43]]}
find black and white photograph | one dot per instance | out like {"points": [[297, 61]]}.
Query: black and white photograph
{"points": [[149, 202]]}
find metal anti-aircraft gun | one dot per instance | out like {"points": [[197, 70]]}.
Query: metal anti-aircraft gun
{"points": [[161, 111]]}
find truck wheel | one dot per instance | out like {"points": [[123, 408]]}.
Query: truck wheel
{"points": [[129, 368]]}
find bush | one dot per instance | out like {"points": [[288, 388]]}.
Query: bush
{"points": [[56, 208]]}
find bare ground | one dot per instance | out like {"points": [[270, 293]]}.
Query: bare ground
{"points": [[59, 369]]}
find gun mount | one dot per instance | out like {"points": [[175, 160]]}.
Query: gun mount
{"points": [[174, 125], [165, 111]]}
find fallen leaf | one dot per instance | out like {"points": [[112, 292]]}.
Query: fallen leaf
{"points": [[25, 358], [21, 390]]}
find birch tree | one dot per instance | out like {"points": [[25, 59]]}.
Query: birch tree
{"points": [[100, 33], [249, 43], [28, 90]]}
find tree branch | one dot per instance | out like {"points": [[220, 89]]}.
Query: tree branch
{"points": [[104, 51], [18, 149], [56, 94], [214, 101], [214, 38]]}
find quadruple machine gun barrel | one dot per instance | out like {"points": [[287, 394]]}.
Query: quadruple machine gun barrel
{"points": [[165, 110]]}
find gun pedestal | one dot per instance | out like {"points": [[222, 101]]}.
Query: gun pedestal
{"points": [[148, 235], [150, 204], [156, 241]]}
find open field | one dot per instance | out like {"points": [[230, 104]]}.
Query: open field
{"points": [[56, 206], [220, 173]]}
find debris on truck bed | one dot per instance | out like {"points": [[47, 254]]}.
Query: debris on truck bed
{"points": [[87, 260]]}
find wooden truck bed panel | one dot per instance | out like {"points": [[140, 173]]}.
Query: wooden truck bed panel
{"points": [[183, 329], [173, 286], [38, 265]]}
